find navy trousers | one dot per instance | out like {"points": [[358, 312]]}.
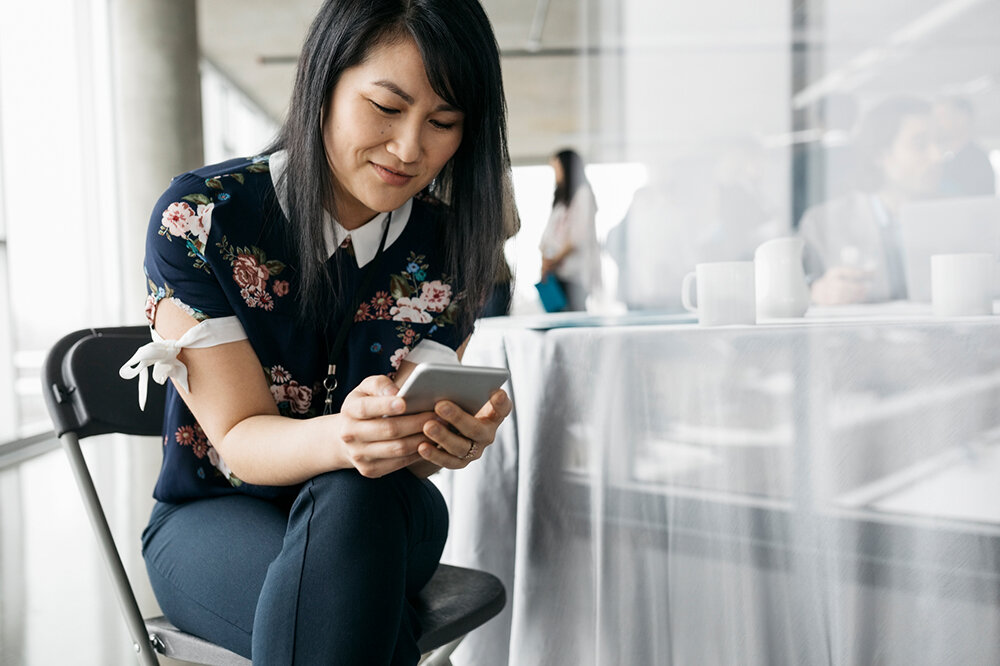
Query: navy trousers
{"points": [[324, 582]]}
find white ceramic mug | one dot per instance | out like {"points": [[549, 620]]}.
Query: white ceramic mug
{"points": [[962, 284], [725, 293]]}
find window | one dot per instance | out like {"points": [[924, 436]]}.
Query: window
{"points": [[59, 263]]}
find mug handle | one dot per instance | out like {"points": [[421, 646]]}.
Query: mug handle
{"points": [[686, 292]]}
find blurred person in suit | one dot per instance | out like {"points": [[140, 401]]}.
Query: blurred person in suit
{"points": [[966, 168], [569, 247], [853, 247]]}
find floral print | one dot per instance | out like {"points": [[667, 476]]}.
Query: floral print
{"points": [[251, 272], [411, 309], [193, 436], [436, 295], [398, 356], [248, 272], [179, 220], [411, 297], [218, 463], [182, 221], [291, 397], [157, 294]]}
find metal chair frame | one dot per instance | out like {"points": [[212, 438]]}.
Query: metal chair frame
{"points": [[86, 397]]}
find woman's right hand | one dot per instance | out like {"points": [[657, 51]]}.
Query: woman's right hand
{"points": [[374, 435]]}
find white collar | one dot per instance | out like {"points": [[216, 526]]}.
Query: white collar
{"points": [[365, 238]]}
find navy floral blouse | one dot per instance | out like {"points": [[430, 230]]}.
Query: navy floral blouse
{"points": [[217, 245]]}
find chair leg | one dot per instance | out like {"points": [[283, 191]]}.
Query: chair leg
{"points": [[109, 552], [442, 655]]}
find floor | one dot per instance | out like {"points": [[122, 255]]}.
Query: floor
{"points": [[56, 603]]}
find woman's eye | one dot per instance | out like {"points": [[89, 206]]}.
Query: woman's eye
{"points": [[383, 109], [442, 125]]}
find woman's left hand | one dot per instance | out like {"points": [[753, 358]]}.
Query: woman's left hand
{"points": [[455, 450]]}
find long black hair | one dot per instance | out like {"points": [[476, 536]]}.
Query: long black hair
{"points": [[574, 176], [462, 60]]}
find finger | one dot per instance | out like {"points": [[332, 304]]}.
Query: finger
{"points": [[393, 449], [497, 408], [380, 468], [466, 424], [376, 385], [431, 453], [364, 406], [455, 444], [375, 430]]}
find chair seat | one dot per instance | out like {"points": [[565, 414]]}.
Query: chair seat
{"points": [[453, 603], [176, 644]]}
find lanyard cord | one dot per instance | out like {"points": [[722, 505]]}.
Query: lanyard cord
{"points": [[334, 350]]}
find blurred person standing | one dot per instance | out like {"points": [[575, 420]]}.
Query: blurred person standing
{"points": [[853, 246], [966, 168], [569, 247]]}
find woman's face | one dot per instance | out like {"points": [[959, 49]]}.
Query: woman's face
{"points": [[386, 132], [557, 168]]}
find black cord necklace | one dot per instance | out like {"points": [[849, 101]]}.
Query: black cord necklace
{"points": [[334, 350]]}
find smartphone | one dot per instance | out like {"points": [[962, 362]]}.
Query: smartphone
{"points": [[468, 386]]}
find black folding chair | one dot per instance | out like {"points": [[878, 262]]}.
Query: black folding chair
{"points": [[85, 397]]}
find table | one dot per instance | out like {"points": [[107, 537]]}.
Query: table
{"points": [[816, 491]]}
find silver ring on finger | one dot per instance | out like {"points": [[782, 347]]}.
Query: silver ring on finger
{"points": [[473, 447]]}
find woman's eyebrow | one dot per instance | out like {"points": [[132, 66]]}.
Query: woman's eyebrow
{"points": [[406, 97]]}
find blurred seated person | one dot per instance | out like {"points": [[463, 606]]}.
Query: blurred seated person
{"points": [[965, 170], [741, 216], [853, 248], [653, 247], [668, 223]]}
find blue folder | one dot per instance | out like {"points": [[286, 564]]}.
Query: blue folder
{"points": [[553, 298]]}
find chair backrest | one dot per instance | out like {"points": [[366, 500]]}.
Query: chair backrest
{"points": [[84, 393]]}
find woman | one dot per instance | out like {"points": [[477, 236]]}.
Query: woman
{"points": [[569, 243], [290, 294]]}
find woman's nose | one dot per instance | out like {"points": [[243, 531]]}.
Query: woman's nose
{"points": [[405, 142]]}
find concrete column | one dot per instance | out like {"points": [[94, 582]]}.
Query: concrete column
{"points": [[159, 135], [158, 90]]}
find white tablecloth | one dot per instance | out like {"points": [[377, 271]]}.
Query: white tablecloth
{"points": [[821, 491]]}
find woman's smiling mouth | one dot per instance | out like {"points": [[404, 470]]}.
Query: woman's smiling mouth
{"points": [[391, 177]]}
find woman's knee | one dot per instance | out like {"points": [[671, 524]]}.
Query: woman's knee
{"points": [[348, 501]]}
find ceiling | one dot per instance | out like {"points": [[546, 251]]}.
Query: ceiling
{"points": [[563, 59]]}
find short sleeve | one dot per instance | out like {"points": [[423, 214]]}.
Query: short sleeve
{"points": [[177, 261]]}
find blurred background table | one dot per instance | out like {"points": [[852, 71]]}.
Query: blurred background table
{"points": [[819, 491]]}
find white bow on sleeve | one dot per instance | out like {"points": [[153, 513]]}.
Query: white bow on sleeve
{"points": [[162, 354]]}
